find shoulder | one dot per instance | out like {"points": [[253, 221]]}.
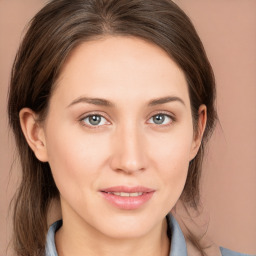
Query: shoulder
{"points": [[227, 252], [181, 246]]}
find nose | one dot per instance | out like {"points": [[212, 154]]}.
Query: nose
{"points": [[128, 151]]}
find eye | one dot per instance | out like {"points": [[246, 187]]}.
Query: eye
{"points": [[161, 119], [94, 120]]}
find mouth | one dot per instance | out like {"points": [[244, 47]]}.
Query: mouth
{"points": [[125, 194], [127, 198]]}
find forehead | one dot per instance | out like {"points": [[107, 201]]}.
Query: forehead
{"points": [[121, 67]]}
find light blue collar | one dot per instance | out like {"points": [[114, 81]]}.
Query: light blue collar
{"points": [[50, 249], [178, 244]]}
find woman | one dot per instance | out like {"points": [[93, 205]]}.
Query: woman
{"points": [[111, 103]]}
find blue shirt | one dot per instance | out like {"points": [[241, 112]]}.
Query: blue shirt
{"points": [[178, 243]]}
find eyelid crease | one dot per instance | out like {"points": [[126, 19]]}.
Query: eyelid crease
{"points": [[93, 113], [167, 113]]}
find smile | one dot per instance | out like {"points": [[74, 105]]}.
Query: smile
{"points": [[127, 198]]}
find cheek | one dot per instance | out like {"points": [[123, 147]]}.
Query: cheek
{"points": [[74, 158], [174, 148], [172, 161], [174, 166]]}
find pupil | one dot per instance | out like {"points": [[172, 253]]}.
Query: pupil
{"points": [[159, 119], [94, 120]]}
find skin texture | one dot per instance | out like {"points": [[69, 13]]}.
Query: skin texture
{"points": [[127, 147]]}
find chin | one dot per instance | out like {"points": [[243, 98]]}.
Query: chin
{"points": [[128, 227]]}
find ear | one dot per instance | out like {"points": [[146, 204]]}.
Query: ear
{"points": [[198, 135], [34, 133]]}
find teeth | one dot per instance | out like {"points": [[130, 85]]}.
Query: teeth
{"points": [[136, 194], [126, 194]]}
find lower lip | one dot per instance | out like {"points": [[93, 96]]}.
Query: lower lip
{"points": [[129, 202]]}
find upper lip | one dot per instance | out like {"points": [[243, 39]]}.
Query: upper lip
{"points": [[127, 189]]}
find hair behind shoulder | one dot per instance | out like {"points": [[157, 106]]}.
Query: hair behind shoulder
{"points": [[53, 33]]}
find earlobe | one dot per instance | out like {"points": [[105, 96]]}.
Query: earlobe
{"points": [[33, 133], [202, 119]]}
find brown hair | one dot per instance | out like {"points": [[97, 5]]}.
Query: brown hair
{"points": [[53, 33]]}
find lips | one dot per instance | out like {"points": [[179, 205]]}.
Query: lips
{"points": [[125, 194], [125, 189], [127, 198]]}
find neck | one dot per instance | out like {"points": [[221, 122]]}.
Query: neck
{"points": [[79, 238]]}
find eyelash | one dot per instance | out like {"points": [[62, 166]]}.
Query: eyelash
{"points": [[172, 120]]}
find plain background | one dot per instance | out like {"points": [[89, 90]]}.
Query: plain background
{"points": [[228, 31]]}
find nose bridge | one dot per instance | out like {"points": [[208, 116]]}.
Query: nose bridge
{"points": [[129, 153]]}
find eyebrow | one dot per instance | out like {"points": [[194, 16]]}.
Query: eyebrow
{"points": [[106, 103], [94, 101], [164, 100]]}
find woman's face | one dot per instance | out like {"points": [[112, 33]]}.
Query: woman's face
{"points": [[119, 136]]}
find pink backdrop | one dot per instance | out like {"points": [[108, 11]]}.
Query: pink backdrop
{"points": [[228, 30]]}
